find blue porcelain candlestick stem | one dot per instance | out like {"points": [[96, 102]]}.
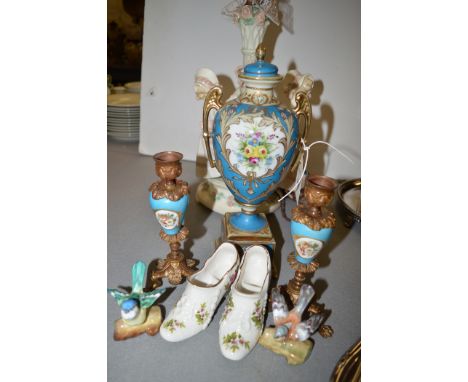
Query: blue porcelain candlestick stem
{"points": [[169, 199], [255, 141]]}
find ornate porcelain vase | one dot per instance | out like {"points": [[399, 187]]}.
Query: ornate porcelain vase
{"points": [[312, 223], [169, 197], [254, 139]]}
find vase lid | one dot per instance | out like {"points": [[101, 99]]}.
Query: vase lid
{"points": [[260, 69]]}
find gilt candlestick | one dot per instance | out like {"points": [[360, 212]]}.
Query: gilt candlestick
{"points": [[169, 198], [312, 225]]}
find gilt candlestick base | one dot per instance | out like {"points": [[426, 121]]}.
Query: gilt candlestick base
{"points": [[175, 266]]}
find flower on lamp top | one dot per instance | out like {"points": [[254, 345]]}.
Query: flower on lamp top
{"points": [[260, 18], [246, 12], [255, 11]]}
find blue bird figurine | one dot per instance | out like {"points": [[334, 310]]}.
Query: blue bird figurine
{"points": [[134, 306]]}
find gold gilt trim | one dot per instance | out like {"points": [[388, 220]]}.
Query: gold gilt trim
{"points": [[298, 266], [171, 191], [276, 78], [303, 109], [328, 219], [326, 331], [348, 368], [254, 88], [179, 236], [259, 97], [212, 101]]}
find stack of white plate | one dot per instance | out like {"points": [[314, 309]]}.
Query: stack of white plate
{"points": [[133, 87], [123, 117]]}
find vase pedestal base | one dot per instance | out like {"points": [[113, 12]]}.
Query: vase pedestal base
{"points": [[245, 239], [123, 331]]}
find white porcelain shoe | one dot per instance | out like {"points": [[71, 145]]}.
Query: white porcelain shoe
{"points": [[204, 290], [242, 321]]}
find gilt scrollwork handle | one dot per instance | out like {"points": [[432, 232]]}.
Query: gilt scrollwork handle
{"points": [[349, 367], [302, 109], [212, 101]]}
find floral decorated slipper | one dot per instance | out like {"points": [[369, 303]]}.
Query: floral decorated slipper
{"points": [[242, 321], [204, 290]]}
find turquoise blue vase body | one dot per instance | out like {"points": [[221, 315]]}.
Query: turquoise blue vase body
{"points": [[254, 141], [308, 242], [170, 214]]}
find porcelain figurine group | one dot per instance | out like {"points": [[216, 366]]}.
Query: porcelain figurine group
{"points": [[245, 284], [252, 142]]}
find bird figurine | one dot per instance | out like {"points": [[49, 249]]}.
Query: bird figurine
{"points": [[129, 309], [288, 323], [134, 305]]}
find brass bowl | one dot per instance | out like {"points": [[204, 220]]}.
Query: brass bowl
{"points": [[351, 215]]}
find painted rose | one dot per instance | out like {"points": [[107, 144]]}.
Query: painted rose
{"points": [[260, 18], [246, 12]]}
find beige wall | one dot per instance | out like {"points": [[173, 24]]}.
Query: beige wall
{"points": [[182, 36]]}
